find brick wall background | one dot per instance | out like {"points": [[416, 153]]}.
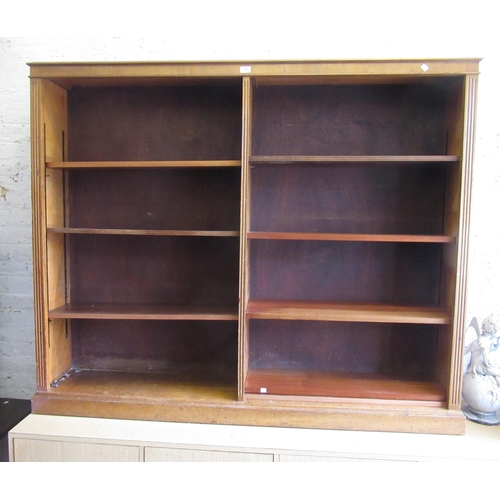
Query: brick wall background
{"points": [[269, 31]]}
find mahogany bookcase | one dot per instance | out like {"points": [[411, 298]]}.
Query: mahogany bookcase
{"points": [[254, 243]]}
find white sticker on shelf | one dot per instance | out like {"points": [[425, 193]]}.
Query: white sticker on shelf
{"points": [[245, 69], [424, 67], [263, 390]]}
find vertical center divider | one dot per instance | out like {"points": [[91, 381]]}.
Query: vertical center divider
{"points": [[246, 145]]}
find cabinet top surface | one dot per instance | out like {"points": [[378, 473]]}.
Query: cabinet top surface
{"points": [[79, 73], [479, 442]]}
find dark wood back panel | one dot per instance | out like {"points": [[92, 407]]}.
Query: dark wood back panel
{"points": [[179, 199], [407, 351], [193, 122], [394, 273], [192, 347], [348, 198], [404, 119], [154, 269]]}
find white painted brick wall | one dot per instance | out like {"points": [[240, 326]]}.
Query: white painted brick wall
{"points": [[444, 31]]}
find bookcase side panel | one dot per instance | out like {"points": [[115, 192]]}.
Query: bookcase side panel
{"points": [[460, 293], [49, 125]]}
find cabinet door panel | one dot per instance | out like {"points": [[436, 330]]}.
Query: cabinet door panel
{"points": [[38, 450], [186, 455]]}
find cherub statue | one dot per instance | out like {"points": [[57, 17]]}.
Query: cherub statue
{"points": [[481, 383], [483, 361]]}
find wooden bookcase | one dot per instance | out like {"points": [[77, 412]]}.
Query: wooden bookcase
{"points": [[269, 243]]}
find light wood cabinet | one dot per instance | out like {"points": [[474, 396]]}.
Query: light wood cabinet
{"points": [[279, 244], [40, 438]]}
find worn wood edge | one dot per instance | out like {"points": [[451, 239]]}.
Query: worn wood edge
{"points": [[338, 311], [373, 237], [144, 164], [426, 420], [139, 311], [399, 160], [336, 400], [257, 67], [141, 232], [68, 75]]}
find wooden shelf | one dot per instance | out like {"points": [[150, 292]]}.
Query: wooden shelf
{"points": [[145, 164], [172, 386], [144, 312], [141, 232], [393, 159], [334, 311], [341, 385], [391, 238]]}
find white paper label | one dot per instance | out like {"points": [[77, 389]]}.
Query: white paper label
{"points": [[263, 390], [245, 69]]}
